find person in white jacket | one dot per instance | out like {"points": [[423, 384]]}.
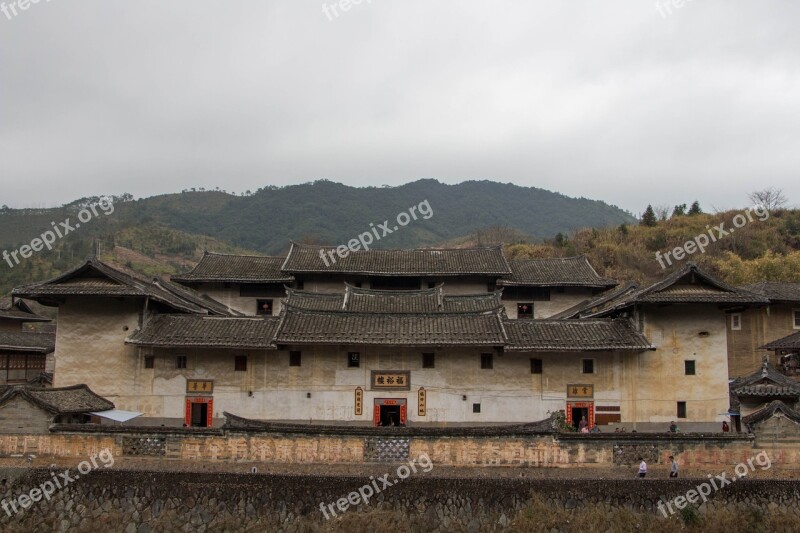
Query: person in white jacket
{"points": [[642, 467]]}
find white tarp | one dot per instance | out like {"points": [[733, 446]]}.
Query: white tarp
{"points": [[117, 415]]}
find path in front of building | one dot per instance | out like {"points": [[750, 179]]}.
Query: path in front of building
{"points": [[378, 469]]}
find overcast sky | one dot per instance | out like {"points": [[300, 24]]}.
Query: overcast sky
{"points": [[606, 100]]}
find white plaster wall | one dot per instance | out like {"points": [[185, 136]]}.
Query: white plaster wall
{"points": [[507, 393], [230, 297], [559, 301]]}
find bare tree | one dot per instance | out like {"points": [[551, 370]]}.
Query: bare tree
{"points": [[771, 198], [662, 212]]}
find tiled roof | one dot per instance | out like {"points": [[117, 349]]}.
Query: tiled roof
{"points": [[776, 291], [215, 267], [195, 297], [313, 327], [238, 423], [63, 400], [419, 262], [43, 343], [567, 271], [205, 331], [686, 285], [358, 300], [586, 307], [19, 311], [791, 342], [769, 410], [95, 278], [766, 382], [574, 335]]}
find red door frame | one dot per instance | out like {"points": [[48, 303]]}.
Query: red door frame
{"points": [[199, 399], [376, 409], [581, 405]]}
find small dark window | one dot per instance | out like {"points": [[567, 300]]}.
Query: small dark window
{"points": [[487, 361], [681, 409], [353, 359], [264, 307], [476, 408], [491, 287], [588, 366], [428, 360], [241, 363], [180, 361], [299, 285], [431, 284], [525, 310], [796, 318], [689, 368], [149, 361], [536, 366], [295, 358]]}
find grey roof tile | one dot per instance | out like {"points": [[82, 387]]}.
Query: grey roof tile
{"points": [[214, 267], [418, 262], [574, 335], [555, 272], [208, 332]]}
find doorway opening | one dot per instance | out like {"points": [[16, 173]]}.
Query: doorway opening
{"points": [[390, 412], [199, 412], [199, 415], [578, 413]]}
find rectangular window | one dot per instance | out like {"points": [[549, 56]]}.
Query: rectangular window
{"points": [[264, 307], [353, 359], [254, 290], [487, 361], [295, 358], [240, 364], [428, 360], [476, 408], [536, 366], [180, 361], [149, 361], [736, 321], [525, 310], [796, 318], [681, 409], [588, 366], [689, 368]]}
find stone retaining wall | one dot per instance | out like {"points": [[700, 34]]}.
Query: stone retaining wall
{"points": [[140, 502]]}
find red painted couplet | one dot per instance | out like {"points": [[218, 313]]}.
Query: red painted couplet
{"points": [[403, 414], [376, 414]]}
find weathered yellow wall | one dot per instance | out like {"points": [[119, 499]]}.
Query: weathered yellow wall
{"points": [[90, 346], [534, 451], [661, 383], [759, 327]]}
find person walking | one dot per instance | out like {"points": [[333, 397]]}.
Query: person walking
{"points": [[642, 467], [673, 468], [582, 424]]}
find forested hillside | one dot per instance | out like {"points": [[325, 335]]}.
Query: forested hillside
{"points": [[160, 234]]}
